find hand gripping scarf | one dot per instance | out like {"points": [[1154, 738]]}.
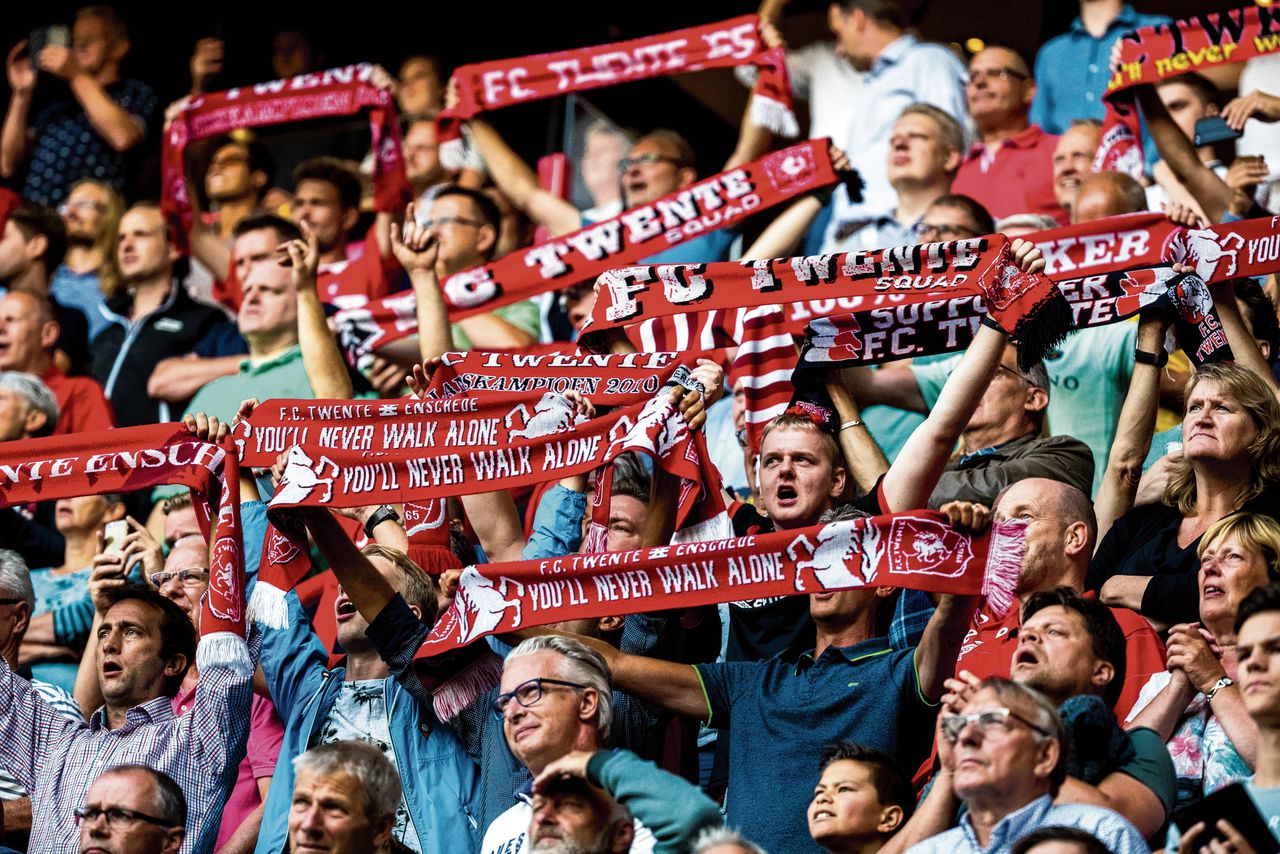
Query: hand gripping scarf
{"points": [[917, 551], [337, 92], [492, 85], [133, 458], [1164, 51], [720, 201]]}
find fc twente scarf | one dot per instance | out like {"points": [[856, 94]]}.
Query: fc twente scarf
{"points": [[917, 551], [423, 451], [1164, 51], [721, 201], [337, 92], [133, 458], [492, 85], [607, 380], [1103, 277]]}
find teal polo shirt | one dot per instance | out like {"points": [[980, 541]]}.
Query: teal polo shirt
{"points": [[782, 714], [523, 315]]}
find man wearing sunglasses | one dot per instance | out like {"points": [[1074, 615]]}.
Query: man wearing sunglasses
{"points": [[1010, 168], [132, 809], [1003, 753]]}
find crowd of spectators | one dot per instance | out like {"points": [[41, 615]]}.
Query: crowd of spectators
{"points": [[1136, 677]]}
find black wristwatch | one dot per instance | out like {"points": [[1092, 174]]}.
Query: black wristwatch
{"points": [[1159, 359], [382, 514]]}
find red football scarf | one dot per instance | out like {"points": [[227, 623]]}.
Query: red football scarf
{"points": [[337, 92], [917, 551], [492, 85], [1164, 51], [133, 458], [721, 201], [607, 380]]}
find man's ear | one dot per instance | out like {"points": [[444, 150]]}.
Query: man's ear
{"points": [[36, 247], [35, 421], [350, 217], [1076, 538], [839, 475], [176, 664], [1037, 399], [382, 831], [687, 176], [1103, 673], [1050, 750], [258, 179], [610, 624], [890, 819], [589, 708], [955, 159], [1029, 91], [486, 238], [49, 334], [119, 48], [621, 835]]}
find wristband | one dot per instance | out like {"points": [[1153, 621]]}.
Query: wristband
{"points": [[1159, 360], [990, 322], [1224, 682], [382, 514], [857, 422]]}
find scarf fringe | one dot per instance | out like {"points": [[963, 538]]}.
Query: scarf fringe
{"points": [[268, 607], [1004, 566], [1042, 330], [224, 649], [773, 115], [459, 691]]}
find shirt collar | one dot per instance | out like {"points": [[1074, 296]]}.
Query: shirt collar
{"points": [[1028, 137], [995, 450], [851, 654], [892, 52], [157, 711], [1127, 18], [1010, 828], [248, 367]]}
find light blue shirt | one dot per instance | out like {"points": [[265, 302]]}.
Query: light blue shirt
{"points": [[1111, 828], [82, 291], [1073, 69], [905, 72]]}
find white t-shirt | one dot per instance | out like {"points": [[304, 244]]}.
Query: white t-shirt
{"points": [[509, 832]]}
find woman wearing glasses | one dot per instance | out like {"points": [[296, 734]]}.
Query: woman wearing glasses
{"points": [[1196, 706]]}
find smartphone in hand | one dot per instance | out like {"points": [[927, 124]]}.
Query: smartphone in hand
{"points": [[114, 534], [1214, 129]]}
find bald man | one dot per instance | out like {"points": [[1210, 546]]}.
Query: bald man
{"points": [[1105, 194], [28, 339], [1073, 160], [1009, 168]]}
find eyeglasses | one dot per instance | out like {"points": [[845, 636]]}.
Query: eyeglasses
{"points": [[186, 577], [450, 220], [529, 693], [925, 230], [1021, 377], [645, 160], [979, 74], [118, 817], [81, 205], [953, 725]]}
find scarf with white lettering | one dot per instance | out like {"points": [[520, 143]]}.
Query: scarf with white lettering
{"points": [[134, 458], [341, 91], [605, 379], [486, 86], [354, 454], [720, 201], [1106, 271], [916, 551], [1165, 51], [978, 269]]}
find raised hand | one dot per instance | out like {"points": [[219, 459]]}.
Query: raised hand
{"points": [[303, 256], [415, 246], [1027, 256], [1256, 105], [206, 63], [206, 427], [22, 74]]}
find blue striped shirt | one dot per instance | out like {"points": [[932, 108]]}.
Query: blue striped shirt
{"points": [[1111, 828]]}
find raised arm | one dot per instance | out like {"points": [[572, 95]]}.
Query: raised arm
{"points": [[321, 358], [1210, 191], [16, 134], [1244, 347], [120, 128], [1133, 429], [417, 250], [363, 584], [178, 378], [519, 183], [863, 457]]}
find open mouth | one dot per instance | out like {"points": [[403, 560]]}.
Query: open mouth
{"points": [[111, 669], [787, 493], [1025, 655], [1212, 591], [344, 609], [821, 815]]}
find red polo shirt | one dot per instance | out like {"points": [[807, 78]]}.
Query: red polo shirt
{"points": [[81, 403], [1016, 177]]}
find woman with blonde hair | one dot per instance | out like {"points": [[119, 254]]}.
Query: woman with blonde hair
{"points": [[1196, 706], [1230, 462], [88, 274]]}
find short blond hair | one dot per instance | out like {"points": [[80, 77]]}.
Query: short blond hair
{"points": [[416, 586], [1253, 530]]}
